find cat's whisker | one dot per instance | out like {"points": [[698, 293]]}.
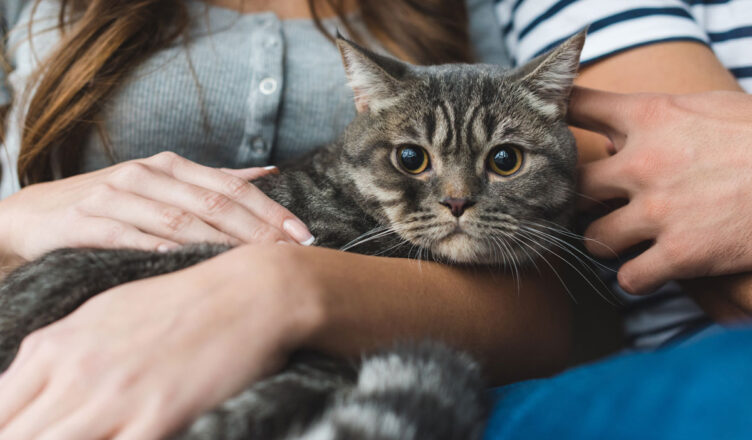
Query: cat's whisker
{"points": [[374, 234], [352, 243], [513, 260], [575, 268], [529, 257], [568, 249], [582, 264], [570, 246], [548, 263], [559, 229]]}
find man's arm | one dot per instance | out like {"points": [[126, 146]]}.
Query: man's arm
{"points": [[677, 67]]}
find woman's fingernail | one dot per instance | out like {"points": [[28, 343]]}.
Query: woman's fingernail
{"points": [[298, 231], [163, 248], [270, 168]]}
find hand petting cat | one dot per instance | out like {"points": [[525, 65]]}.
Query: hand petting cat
{"points": [[154, 203], [684, 163]]}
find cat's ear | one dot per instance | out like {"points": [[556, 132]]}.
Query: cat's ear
{"points": [[550, 77], [374, 79]]}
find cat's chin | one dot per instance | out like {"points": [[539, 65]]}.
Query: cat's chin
{"points": [[462, 248], [459, 248]]}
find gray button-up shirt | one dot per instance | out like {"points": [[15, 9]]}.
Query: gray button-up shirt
{"points": [[245, 90]]}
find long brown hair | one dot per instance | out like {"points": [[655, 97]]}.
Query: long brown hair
{"points": [[108, 38]]}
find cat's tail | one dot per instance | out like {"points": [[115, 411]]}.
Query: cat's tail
{"points": [[416, 391]]}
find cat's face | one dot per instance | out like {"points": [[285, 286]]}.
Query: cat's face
{"points": [[462, 160]]}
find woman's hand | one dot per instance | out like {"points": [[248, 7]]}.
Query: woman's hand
{"points": [[684, 162], [143, 359], [153, 203]]}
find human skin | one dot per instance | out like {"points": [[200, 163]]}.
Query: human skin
{"points": [[154, 204], [684, 163], [517, 335], [676, 68], [342, 304]]}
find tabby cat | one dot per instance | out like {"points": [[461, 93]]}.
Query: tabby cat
{"points": [[448, 162]]}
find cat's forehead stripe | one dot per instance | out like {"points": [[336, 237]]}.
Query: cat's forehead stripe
{"points": [[468, 130], [429, 122], [447, 126]]}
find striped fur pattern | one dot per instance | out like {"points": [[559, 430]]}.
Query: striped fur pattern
{"points": [[353, 195]]}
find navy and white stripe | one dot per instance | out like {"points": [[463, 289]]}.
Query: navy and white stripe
{"points": [[532, 27]]}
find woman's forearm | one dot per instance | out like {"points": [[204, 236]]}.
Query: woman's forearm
{"points": [[369, 302]]}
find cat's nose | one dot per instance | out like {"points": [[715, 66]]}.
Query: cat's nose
{"points": [[457, 206]]}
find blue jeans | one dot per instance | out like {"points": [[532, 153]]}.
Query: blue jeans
{"points": [[698, 389]]}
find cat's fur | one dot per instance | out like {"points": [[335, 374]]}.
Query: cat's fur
{"points": [[351, 193]]}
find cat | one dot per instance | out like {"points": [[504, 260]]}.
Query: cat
{"points": [[451, 162]]}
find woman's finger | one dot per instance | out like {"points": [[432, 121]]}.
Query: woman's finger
{"points": [[149, 424], [105, 232], [18, 389], [240, 191], [95, 420], [52, 404], [251, 173], [155, 219], [214, 208]]}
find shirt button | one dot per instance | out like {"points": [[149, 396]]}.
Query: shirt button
{"points": [[271, 42], [268, 86], [259, 146]]}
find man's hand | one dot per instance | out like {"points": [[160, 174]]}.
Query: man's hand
{"points": [[684, 163]]}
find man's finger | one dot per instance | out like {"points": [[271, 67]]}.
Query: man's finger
{"points": [[601, 180], [646, 272], [618, 231], [599, 111]]}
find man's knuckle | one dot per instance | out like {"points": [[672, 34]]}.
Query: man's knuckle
{"points": [[654, 109], [676, 253], [653, 208]]}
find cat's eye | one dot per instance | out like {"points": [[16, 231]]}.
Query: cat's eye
{"points": [[413, 159], [505, 160]]}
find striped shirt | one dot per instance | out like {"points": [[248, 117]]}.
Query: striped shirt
{"points": [[532, 27]]}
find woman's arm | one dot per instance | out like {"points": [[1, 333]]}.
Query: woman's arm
{"points": [[370, 302], [183, 342], [154, 203]]}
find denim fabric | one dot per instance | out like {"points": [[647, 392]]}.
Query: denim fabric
{"points": [[698, 389]]}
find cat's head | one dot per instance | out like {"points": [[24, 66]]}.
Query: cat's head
{"points": [[463, 159]]}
